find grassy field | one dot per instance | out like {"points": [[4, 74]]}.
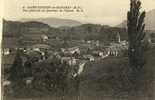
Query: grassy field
{"points": [[109, 78]]}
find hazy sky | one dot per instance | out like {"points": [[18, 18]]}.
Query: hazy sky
{"points": [[109, 12]]}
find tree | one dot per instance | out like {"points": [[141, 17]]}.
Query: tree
{"points": [[16, 71], [28, 68], [136, 35]]}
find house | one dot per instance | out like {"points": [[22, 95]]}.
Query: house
{"points": [[70, 51], [117, 49], [6, 83], [98, 53], [106, 53], [6, 51], [40, 46], [74, 50], [95, 43], [113, 51], [89, 57], [69, 60], [36, 49], [44, 38], [124, 43], [63, 50], [88, 42], [28, 80]]}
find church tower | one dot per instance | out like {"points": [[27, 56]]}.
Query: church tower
{"points": [[118, 38]]}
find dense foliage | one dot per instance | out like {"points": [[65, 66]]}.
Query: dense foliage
{"points": [[136, 35]]}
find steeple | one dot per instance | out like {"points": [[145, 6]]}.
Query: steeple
{"points": [[118, 38]]}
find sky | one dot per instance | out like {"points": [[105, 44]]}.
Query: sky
{"points": [[109, 12]]}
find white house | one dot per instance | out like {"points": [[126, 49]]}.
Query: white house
{"points": [[6, 51], [44, 37], [36, 49], [6, 83], [28, 80], [89, 57], [70, 50]]}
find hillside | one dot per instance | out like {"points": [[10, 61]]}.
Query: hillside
{"points": [[12, 28], [55, 22], [17, 29], [149, 21], [84, 31], [110, 78]]}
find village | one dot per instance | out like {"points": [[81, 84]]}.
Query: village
{"points": [[77, 54], [90, 50]]}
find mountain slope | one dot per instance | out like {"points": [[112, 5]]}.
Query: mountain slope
{"points": [[149, 21], [55, 22], [16, 28], [34, 29]]}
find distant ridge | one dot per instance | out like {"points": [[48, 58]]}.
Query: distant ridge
{"points": [[55, 22], [149, 21], [33, 29]]}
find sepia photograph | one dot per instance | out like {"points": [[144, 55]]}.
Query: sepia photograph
{"points": [[78, 50]]}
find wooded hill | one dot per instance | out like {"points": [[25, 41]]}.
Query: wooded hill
{"points": [[84, 31]]}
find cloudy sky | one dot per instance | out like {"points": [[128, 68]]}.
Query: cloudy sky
{"points": [[110, 12]]}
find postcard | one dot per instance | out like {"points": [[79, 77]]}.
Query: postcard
{"points": [[78, 50]]}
